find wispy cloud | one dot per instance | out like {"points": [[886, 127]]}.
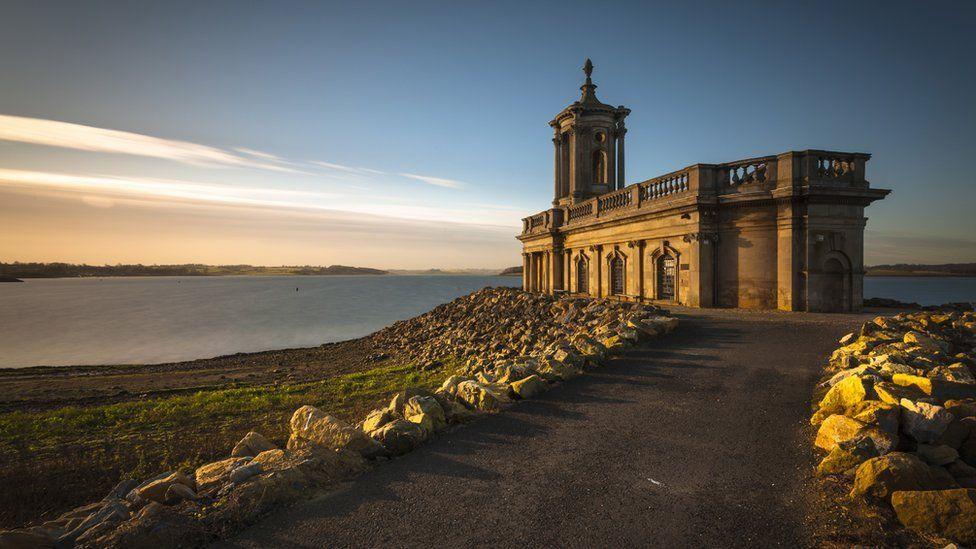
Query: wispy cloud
{"points": [[67, 135], [261, 154], [162, 190], [340, 167], [428, 179], [438, 181]]}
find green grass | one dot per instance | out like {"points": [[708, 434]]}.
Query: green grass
{"points": [[53, 460]]}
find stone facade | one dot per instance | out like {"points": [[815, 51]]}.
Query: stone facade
{"points": [[784, 231]]}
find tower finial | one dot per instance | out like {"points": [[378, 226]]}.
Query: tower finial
{"points": [[589, 87]]}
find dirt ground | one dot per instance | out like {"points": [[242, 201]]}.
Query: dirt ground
{"points": [[32, 389]]}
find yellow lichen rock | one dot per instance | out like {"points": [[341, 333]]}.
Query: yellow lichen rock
{"points": [[212, 474], [309, 425], [844, 395], [529, 387], [836, 429], [478, 396], [376, 419], [156, 490], [879, 477], [946, 513], [426, 412]]}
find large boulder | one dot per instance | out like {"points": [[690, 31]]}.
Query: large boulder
{"points": [[529, 387], [426, 412], [835, 429], [214, 474], [251, 445], [477, 396], [400, 436], [844, 395], [376, 419], [399, 400], [311, 426], [879, 477], [156, 489], [923, 421], [946, 513]]}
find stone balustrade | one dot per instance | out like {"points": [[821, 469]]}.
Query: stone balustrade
{"points": [[710, 181]]}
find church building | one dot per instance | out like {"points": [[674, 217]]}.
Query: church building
{"points": [[784, 231]]}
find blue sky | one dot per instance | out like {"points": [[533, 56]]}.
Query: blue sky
{"points": [[414, 134]]}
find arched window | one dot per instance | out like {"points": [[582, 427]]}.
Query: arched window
{"points": [[616, 276], [665, 277], [582, 276], [600, 167]]}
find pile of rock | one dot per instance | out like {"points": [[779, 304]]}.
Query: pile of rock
{"points": [[899, 419], [505, 323], [517, 343]]}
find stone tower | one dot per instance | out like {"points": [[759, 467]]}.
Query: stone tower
{"points": [[589, 146]]}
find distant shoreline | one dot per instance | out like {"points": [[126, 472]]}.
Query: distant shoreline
{"points": [[903, 274], [19, 270]]}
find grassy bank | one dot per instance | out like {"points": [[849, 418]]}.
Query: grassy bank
{"points": [[55, 459]]}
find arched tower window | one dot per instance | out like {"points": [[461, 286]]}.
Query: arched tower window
{"points": [[599, 167], [617, 276], [582, 276]]}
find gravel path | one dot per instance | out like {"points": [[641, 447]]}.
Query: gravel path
{"points": [[695, 441]]}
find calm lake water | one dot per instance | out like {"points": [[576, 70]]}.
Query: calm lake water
{"points": [[61, 322], [141, 320], [923, 289]]}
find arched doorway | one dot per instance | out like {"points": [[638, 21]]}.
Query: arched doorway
{"points": [[834, 293], [582, 276], [665, 277], [617, 276]]}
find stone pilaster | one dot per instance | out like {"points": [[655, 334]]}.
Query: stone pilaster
{"points": [[621, 177]]}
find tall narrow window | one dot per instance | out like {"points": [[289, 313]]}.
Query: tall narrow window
{"points": [[582, 276], [599, 167], [665, 277], [617, 276]]}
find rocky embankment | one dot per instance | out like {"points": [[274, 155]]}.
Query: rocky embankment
{"points": [[899, 420], [515, 345]]}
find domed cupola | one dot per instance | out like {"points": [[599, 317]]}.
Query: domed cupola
{"points": [[589, 146]]}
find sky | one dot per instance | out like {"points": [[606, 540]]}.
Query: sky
{"points": [[414, 134]]}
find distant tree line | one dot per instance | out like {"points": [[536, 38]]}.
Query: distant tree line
{"points": [[64, 270], [948, 269]]}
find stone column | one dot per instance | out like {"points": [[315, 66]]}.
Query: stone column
{"points": [[637, 267], [621, 179], [548, 272], [525, 272], [597, 262], [568, 271], [557, 269], [791, 244], [557, 169]]}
